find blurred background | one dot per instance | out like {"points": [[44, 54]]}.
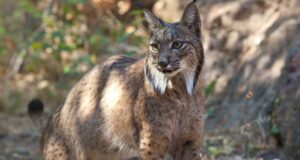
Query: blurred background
{"points": [[252, 50]]}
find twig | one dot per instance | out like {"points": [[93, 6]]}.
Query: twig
{"points": [[17, 60]]}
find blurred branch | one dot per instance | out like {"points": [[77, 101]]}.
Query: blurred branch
{"points": [[17, 59], [48, 9]]}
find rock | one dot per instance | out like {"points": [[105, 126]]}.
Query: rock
{"points": [[288, 112]]}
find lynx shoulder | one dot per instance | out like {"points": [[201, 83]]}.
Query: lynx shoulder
{"points": [[124, 108]]}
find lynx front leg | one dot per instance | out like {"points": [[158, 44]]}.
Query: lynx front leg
{"points": [[191, 151], [155, 140], [54, 148], [192, 143]]}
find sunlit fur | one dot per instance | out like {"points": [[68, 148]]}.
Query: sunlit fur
{"points": [[127, 108]]}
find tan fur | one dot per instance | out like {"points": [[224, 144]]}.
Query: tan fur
{"points": [[127, 108]]}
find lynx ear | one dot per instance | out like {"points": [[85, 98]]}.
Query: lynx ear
{"points": [[191, 18], [154, 23]]}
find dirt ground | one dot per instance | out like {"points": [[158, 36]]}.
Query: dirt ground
{"points": [[252, 50], [19, 140]]}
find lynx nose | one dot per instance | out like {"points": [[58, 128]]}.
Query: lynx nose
{"points": [[163, 64], [163, 61]]}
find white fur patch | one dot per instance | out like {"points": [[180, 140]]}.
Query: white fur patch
{"points": [[189, 75], [160, 81], [170, 85], [189, 81]]}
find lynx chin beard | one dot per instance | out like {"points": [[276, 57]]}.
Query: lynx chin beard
{"points": [[171, 73], [126, 108], [161, 80]]}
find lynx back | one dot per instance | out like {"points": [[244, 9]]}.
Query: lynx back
{"points": [[151, 109]]}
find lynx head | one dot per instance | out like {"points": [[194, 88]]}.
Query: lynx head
{"points": [[175, 50]]}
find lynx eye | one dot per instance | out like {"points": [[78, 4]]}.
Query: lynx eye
{"points": [[154, 47], [177, 45]]}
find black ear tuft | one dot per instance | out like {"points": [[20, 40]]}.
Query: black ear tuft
{"points": [[153, 22], [35, 106]]}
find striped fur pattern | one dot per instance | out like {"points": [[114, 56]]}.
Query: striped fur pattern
{"points": [[149, 109]]}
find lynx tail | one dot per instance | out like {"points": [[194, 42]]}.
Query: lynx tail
{"points": [[36, 113]]}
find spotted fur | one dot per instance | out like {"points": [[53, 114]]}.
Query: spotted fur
{"points": [[151, 109]]}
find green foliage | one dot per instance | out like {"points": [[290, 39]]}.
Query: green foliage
{"points": [[274, 130], [209, 112], [251, 150], [63, 42], [76, 1], [215, 151], [276, 102], [66, 34], [211, 87]]}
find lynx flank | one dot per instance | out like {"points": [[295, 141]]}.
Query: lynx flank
{"points": [[150, 109]]}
